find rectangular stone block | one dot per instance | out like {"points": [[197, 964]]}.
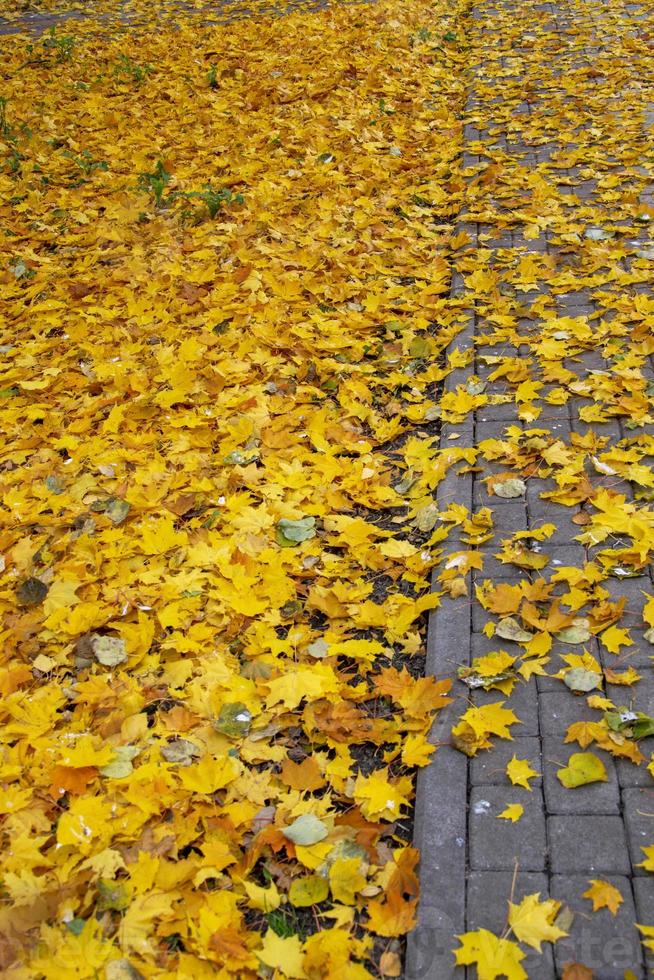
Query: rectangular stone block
{"points": [[508, 519], [561, 708], [631, 775], [488, 895], [606, 944], [588, 845], [599, 797], [546, 512], [496, 844], [638, 807], [489, 768], [638, 696]]}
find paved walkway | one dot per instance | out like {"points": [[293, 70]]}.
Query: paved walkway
{"points": [[558, 150]]}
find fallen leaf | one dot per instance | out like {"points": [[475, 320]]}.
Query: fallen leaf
{"points": [[603, 895], [582, 768]]}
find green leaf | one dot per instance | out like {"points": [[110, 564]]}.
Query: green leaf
{"points": [[121, 765], [117, 510], [290, 533], [635, 724], [76, 926], [510, 629], [426, 517], [113, 894], [306, 830], [597, 234], [578, 632], [580, 679], [108, 650], [234, 720], [240, 458], [513, 487]]}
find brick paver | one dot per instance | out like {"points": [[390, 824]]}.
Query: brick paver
{"points": [[565, 837]]}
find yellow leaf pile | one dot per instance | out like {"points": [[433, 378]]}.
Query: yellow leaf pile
{"points": [[224, 275]]}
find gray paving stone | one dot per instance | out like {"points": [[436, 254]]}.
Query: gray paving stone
{"points": [[597, 797], [605, 943], [639, 696], [550, 513], [629, 589], [592, 845], [561, 708], [482, 645], [485, 429], [506, 412], [480, 617], [638, 807], [570, 555], [609, 430], [546, 682], [630, 774], [535, 486], [555, 419], [509, 519], [495, 844], [488, 895], [639, 655], [576, 843], [489, 768], [644, 894]]}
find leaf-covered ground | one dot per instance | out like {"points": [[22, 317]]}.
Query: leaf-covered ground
{"points": [[227, 257], [225, 274]]}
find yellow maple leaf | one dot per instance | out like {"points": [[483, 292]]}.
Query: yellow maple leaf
{"points": [[346, 879], [210, 774], [305, 682], [520, 772], [603, 895], [648, 933], [136, 932], [614, 638], [393, 917], [532, 921], [417, 751], [283, 953], [264, 899], [648, 863], [159, 536], [624, 677], [86, 751], [512, 812], [493, 957], [379, 798], [490, 719], [585, 732], [648, 609]]}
